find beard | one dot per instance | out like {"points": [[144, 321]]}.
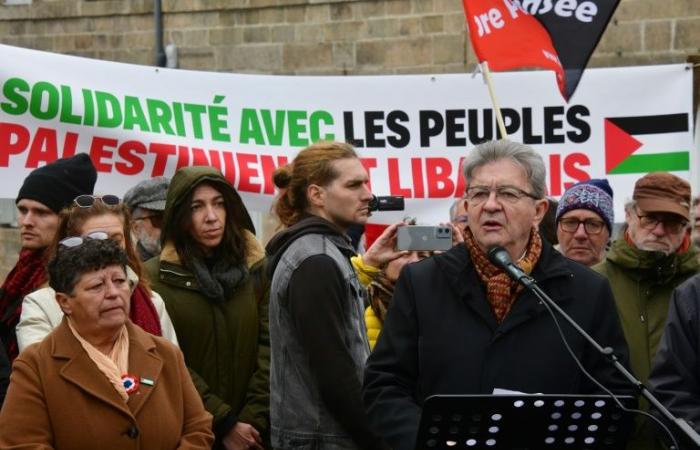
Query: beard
{"points": [[149, 242]]}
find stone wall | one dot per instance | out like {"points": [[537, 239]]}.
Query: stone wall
{"points": [[319, 36]]}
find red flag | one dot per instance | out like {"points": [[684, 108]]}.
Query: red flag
{"points": [[509, 38]]}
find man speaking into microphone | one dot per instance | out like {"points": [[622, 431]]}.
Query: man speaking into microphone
{"points": [[458, 324]]}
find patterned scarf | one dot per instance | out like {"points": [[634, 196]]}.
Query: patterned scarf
{"points": [[380, 291], [501, 290], [143, 312], [26, 277]]}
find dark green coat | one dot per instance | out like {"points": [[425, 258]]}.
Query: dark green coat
{"points": [[642, 282], [226, 344]]}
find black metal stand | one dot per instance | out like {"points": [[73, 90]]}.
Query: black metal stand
{"points": [[524, 422], [691, 434]]}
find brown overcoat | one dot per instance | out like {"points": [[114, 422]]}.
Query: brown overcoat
{"points": [[58, 399]]}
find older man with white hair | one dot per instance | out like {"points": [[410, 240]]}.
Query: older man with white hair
{"points": [[459, 325]]}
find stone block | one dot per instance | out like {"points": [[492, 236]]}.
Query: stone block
{"points": [[346, 31], [446, 6], [657, 35], [432, 24], [318, 13], [261, 3], [253, 58], [454, 23], [84, 42], [63, 43], [342, 12], [190, 38], [199, 58], [344, 54], [422, 6], [138, 40], [188, 19], [256, 34], [622, 37], [309, 33], [295, 14], [270, 15], [282, 33], [395, 52], [688, 35], [652, 9], [398, 7], [380, 28], [302, 56], [409, 26], [449, 50], [225, 36], [371, 8]]}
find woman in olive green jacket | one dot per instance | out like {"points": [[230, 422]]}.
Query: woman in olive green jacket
{"points": [[211, 276]]}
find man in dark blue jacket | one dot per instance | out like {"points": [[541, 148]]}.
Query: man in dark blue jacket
{"points": [[459, 325]]}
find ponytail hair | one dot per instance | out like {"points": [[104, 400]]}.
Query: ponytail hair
{"points": [[313, 165]]}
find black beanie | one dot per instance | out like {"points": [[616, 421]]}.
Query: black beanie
{"points": [[55, 185]]}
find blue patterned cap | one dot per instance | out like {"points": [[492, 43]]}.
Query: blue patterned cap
{"points": [[595, 195]]}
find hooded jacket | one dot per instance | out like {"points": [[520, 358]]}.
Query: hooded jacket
{"points": [[225, 344], [642, 283], [318, 340]]}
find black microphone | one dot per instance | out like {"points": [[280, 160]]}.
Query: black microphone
{"points": [[500, 258]]}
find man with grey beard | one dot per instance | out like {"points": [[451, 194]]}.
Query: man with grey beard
{"points": [[645, 264], [146, 202]]}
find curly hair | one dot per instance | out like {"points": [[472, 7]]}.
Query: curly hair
{"points": [[69, 264]]}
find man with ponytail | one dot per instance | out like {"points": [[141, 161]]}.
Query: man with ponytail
{"points": [[317, 334]]}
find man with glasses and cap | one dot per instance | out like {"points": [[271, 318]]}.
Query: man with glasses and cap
{"points": [[146, 202], [645, 264], [584, 221], [44, 193]]}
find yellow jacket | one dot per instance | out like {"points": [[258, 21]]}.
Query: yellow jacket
{"points": [[374, 327]]}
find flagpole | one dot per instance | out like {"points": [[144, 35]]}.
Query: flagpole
{"points": [[499, 117]]}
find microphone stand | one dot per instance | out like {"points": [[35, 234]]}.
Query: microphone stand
{"points": [[607, 352]]}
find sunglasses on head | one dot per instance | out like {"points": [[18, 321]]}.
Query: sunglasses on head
{"points": [[75, 241], [86, 200]]}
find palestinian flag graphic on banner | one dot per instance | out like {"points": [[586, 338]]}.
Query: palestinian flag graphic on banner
{"points": [[641, 144]]}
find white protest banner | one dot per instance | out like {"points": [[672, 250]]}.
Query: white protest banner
{"points": [[411, 131]]}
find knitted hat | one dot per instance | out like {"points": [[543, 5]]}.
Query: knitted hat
{"points": [[55, 185], [595, 195], [663, 192], [148, 194]]}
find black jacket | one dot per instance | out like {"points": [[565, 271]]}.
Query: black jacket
{"points": [[675, 375], [4, 373], [441, 337]]}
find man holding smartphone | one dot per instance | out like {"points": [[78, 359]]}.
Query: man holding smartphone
{"points": [[459, 325], [318, 339]]}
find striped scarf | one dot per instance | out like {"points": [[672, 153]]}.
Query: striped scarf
{"points": [[501, 290]]}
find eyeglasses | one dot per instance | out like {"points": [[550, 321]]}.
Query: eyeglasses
{"points": [[86, 200], [504, 194], [75, 241], [591, 226], [650, 221], [155, 219]]}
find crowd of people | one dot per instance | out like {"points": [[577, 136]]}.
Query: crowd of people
{"points": [[159, 321]]}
